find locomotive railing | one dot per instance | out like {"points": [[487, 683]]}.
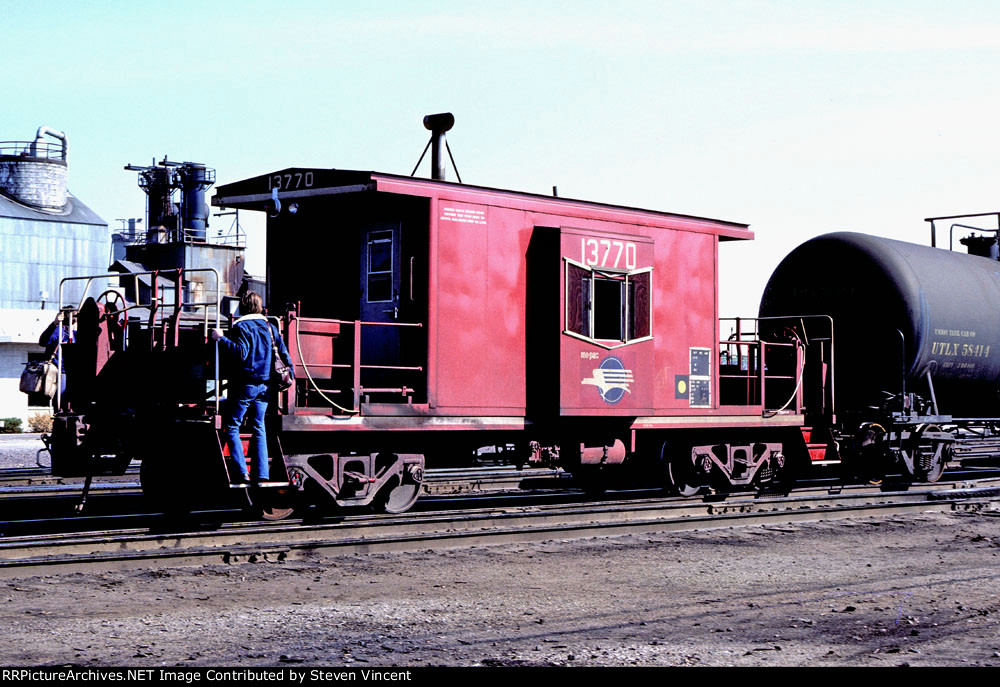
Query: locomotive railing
{"points": [[157, 306], [321, 366]]}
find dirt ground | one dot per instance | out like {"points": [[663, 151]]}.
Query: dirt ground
{"points": [[917, 590]]}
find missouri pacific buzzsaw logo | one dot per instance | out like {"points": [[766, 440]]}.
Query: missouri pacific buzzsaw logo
{"points": [[611, 379]]}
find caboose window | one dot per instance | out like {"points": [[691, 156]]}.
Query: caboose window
{"points": [[578, 300], [379, 266], [638, 305], [608, 307]]}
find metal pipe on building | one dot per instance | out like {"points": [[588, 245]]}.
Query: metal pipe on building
{"points": [[39, 141]]}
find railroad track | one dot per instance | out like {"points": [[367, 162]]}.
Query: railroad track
{"points": [[37, 483], [50, 506], [22, 482], [40, 477], [289, 540]]}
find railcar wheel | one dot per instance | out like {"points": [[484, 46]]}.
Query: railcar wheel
{"points": [[928, 457], [680, 484], [397, 498], [274, 504], [401, 493], [779, 482], [680, 473]]}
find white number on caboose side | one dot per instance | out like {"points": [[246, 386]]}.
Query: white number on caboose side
{"points": [[607, 253]]}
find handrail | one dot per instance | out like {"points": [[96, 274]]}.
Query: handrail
{"points": [[932, 220], [796, 321], [154, 235], [355, 364], [951, 232], [361, 322], [34, 149], [155, 305], [833, 347]]}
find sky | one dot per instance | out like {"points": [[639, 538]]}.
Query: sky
{"points": [[798, 118]]}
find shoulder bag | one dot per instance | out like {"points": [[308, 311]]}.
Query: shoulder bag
{"points": [[40, 377], [281, 374]]}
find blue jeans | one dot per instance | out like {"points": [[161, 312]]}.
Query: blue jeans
{"points": [[243, 398]]}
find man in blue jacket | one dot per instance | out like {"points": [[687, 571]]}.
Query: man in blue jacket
{"points": [[248, 352]]}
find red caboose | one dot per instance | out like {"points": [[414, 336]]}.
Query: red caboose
{"points": [[427, 319], [429, 322]]}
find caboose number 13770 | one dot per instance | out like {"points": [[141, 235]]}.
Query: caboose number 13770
{"points": [[427, 319]]}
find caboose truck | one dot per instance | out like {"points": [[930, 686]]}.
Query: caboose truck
{"points": [[427, 319]]}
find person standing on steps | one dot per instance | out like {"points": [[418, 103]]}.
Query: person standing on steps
{"points": [[248, 351]]}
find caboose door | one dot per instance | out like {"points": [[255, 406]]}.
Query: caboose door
{"points": [[380, 302]]}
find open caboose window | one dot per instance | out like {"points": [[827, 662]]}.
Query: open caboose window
{"points": [[608, 307]]}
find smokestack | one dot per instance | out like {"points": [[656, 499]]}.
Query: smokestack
{"points": [[438, 124]]}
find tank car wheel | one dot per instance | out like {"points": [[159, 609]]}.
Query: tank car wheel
{"points": [[928, 457], [680, 474]]}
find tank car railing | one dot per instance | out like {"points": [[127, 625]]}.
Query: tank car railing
{"points": [[157, 307], [355, 366], [956, 225], [934, 220]]}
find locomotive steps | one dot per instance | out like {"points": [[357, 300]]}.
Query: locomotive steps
{"points": [[276, 542]]}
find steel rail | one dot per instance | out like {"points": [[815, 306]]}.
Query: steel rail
{"points": [[436, 481], [22, 556], [440, 482]]}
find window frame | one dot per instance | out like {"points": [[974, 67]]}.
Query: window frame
{"points": [[380, 273], [594, 270]]}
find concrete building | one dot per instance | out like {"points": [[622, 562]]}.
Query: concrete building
{"points": [[46, 234]]}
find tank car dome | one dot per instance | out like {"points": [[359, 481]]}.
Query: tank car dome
{"points": [[899, 310]]}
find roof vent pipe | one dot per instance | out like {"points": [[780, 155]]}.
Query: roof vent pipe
{"points": [[438, 124], [38, 145]]}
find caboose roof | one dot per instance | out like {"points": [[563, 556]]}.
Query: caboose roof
{"points": [[297, 183]]}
